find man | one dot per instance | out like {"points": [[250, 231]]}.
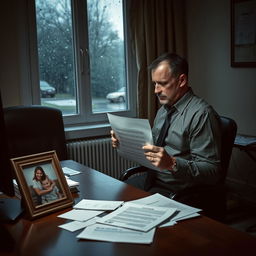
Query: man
{"points": [[187, 150]]}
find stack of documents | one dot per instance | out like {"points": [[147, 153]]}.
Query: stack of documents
{"points": [[73, 185], [183, 211], [127, 222]]}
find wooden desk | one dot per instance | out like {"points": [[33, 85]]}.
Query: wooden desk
{"points": [[199, 236]]}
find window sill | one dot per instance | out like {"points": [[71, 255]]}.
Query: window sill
{"points": [[86, 131]]}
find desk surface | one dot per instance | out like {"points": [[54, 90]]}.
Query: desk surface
{"points": [[198, 236]]}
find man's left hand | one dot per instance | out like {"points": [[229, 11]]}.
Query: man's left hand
{"points": [[159, 157]]}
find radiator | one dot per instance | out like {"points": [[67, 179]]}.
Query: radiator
{"points": [[99, 155]]}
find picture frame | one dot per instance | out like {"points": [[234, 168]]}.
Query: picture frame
{"points": [[42, 183], [243, 33]]}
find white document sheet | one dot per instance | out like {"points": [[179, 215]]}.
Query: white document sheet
{"points": [[133, 134], [137, 217], [71, 183], [103, 205], [184, 211], [168, 223], [192, 215], [69, 172], [114, 234], [76, 225], [79, 215]]}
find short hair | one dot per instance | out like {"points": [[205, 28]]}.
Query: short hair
{"points": [[178, 65]]}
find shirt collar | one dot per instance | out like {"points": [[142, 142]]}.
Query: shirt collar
{"points": [[182, 103]]}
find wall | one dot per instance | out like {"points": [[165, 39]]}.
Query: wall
{"points": [[230, 90], [9, 61]]}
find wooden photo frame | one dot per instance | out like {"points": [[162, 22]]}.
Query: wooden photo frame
{"points": [[42, 183], [243, 33]]}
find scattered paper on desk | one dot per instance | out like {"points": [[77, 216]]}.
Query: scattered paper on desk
{"points": [[192, 215], [76, 225], [168, 223], [137, 217], [79, 215], [71, 183], [184, 211], [133, 134], [68, 171], [114, 234], [242, 140], [103, 205]]}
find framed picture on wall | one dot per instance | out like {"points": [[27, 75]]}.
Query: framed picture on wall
{"points": [[42, 183], [243, 33]]}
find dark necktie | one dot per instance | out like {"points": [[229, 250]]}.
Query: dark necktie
{"points": [[150, 179], [164, 130]]}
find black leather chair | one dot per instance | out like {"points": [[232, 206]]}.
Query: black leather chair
{"points": [[210, 198], [34, 129]]}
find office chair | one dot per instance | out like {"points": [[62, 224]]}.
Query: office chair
{"points": [[34, 129], [210, 198]]}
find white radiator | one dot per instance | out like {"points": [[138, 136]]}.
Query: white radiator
{"points": [[99, 155]]}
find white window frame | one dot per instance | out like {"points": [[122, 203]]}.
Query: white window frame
{"points": [[86, 124]]}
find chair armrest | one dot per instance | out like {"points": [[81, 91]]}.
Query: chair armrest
{"points": [[131, 171]]}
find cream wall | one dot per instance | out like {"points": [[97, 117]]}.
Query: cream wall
{"points": [[231, 91]]}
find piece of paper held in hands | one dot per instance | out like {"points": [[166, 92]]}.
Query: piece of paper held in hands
{"points": [[137, 217], [102, 232], [133, 134], [104, 205]]}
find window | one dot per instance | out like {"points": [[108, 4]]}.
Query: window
{"points": [[82, 58]]}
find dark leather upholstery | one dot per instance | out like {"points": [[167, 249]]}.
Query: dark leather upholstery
{"points": [[210, 198], [35, 129]]}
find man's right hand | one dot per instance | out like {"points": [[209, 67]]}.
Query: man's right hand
{"points": [[115, 142]]}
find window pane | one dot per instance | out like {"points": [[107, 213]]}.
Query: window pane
{"points": [[107, 55], [56, 55]]}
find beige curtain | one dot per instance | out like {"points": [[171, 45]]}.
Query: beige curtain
{"points": [[157, 26]]}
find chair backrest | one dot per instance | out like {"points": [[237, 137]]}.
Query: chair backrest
{"points": [[34, 129], [229, 129]]}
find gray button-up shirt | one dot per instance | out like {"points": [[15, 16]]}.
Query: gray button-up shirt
{"points": [[194, 139]]}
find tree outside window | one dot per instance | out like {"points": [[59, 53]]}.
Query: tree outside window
{"points": [[58, 59]]}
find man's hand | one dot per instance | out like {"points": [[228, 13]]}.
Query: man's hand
{"points": [[115, 142], [159, 157]]}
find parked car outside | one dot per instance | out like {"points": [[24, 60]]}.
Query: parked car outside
{"points": [[46, 90], [118, 96]]}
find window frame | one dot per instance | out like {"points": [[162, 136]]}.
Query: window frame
{"points": [[86, 123]]}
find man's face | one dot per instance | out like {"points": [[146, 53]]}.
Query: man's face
{"points": [[167, 86], [46, 184]]}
